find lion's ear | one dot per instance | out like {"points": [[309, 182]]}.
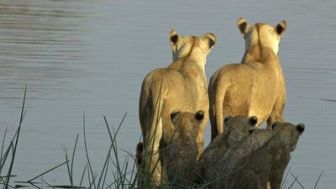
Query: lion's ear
{"points": [[199, 115], [173, 37], [174, 114], [300, 127], [226, 119], [275, 125], [281, 27], [242, 25], [253, 120], [211, 39]]}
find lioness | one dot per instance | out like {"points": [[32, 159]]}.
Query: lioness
{"points": [[254, 87], [181, 86]]}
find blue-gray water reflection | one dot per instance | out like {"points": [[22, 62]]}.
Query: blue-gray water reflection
{"points": [[91, 56]]}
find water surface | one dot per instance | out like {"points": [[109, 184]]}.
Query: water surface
{"points": [[91, 56]]}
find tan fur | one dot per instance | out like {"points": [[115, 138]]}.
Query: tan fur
{"points": [[181, 86], [254, 87]]}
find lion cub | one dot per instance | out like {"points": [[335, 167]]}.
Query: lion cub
{"points": [[182, 165], [260, 159], [237, 129], [180, 154], [254, 87]]}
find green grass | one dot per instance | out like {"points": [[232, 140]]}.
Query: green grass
{"points": [[116, 172], [8, 153]]}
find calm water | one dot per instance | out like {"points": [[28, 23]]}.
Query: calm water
{"points": [[90, 56]]}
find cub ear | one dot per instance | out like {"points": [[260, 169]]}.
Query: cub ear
{"points": [[275, 125], [242, 25], [251, 130], [199, 115], [300, 127], [226, 119], [212, 39], [174, 114], [281, 27], [173, 37], [253, 120]]}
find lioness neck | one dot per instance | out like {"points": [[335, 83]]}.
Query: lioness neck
{"points": [[193, 63], [259, 53]]}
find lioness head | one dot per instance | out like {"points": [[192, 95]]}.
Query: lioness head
{"points": [[183, 45], [261, 34]]}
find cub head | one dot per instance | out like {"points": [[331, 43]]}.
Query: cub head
{"points": [[183, 45], [261, 34], [239, 127], [186, 123], [288, 134]]}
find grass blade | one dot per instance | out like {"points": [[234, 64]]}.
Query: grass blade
{"points": [[87, 155], [318, 179], [45, 172], [82, 177], [4, 159], [73, 157], [17, 139], [3, 144], [68, 167], [296, 180]]}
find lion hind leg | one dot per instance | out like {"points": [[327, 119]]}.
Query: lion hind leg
{"points": [[151, 158]]}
